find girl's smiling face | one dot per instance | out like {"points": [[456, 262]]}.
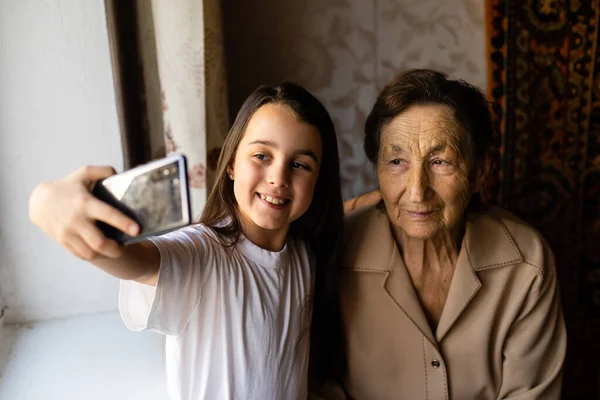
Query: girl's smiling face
{"points": [[274, 173]]}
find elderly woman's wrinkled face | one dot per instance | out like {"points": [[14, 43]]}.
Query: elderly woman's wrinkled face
{"points": [[423, 171]]}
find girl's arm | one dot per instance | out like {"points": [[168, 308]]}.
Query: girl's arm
{"points": [[367, 199], [66, 211]]}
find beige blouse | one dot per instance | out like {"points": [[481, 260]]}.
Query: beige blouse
{"points": [[501, 334]]}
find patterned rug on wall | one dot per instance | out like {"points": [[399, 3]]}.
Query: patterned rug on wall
{"points": [[544, 83]]}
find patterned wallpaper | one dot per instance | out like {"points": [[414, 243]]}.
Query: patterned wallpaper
{"points": [[345, 51]]}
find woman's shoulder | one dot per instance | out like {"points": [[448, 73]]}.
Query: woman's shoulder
{"points": [[363, 222], [518, 228], [356, 221], [494, 226], [367, 237]]}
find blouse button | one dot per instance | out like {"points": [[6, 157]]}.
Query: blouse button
{"points": [[435, 363]]}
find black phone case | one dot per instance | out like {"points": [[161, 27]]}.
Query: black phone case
{"points": [[102, 193], [109, 231]]}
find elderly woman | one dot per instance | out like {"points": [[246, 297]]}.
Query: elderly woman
{"points": [[441, 296]]}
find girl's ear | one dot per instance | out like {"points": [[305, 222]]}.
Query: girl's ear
{"points": [[230, 170], [482, 174]]}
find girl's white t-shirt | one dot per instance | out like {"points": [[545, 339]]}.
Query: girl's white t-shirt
{"points": [[236, 320]]}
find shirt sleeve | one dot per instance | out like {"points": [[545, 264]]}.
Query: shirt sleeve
{"points": [[166, 308], [535, 348]]}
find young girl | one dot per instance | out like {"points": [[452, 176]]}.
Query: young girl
{"points": [[234, 293]]}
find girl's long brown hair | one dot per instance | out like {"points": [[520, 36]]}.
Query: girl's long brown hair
{"points": [[320, 227]]}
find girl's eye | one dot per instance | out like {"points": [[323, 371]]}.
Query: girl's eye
{"points": [[297, 165], [261, 157]]}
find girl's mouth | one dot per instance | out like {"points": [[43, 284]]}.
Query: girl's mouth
{"points": [[273, 200]]}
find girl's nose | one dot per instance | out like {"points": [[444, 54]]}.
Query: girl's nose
{"points": [[279, 175]]}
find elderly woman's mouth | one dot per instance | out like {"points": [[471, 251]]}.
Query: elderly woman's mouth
{"points": [[419, 214]]}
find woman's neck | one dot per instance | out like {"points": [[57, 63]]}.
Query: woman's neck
{"points": [[431, 263], [439, 251]]}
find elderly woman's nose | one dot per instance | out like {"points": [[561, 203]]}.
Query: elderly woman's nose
{"points": [[418, 184], [279, 175]]}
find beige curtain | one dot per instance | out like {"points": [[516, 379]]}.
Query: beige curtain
{"points": [[181, 45]]}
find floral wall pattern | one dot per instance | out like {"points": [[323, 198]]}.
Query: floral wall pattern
{"points": [[345, 51]]}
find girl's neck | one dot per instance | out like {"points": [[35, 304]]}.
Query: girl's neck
{"points": [[268, 239]]}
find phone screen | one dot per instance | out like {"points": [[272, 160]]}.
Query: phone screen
{"points": [[155, 195]]}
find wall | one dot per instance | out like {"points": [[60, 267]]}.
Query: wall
{"points": [[57, 109], [345, 51], [57, 112]]}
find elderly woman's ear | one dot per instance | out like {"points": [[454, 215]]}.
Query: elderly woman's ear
{"points": [[367, 199], [482, 174]]}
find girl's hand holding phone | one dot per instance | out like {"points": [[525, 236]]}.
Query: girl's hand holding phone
{"points": [[67, 212]]}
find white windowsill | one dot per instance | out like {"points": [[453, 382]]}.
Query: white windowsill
{"points": [[91, 357]]}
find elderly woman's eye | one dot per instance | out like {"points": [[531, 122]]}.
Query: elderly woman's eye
{"points": [[440, 162], [396, 161]]}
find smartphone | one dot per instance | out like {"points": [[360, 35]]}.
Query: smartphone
{"points": [[155, 195]]}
